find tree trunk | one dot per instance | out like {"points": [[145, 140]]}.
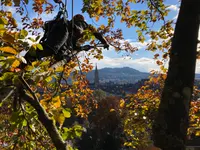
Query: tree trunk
{"points": [[171, 123]]}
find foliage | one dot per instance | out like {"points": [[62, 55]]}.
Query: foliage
{"points": [[104, 126], [58, 99]]}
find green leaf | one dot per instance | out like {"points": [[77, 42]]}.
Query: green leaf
{"points": [[37, 38], [29, 68], [2, 26], [2, 58], [45, 63], [31, 39], [39, 46], [66, 113], [23, 34], [3, 21], [48, 79], [24, 123], [26, 1], [6, 76], [78, 130], [65, 135]]}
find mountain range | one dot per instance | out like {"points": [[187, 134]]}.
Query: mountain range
{"points": [[118, 75], [121, 75]]}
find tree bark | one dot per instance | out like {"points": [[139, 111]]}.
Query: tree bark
{"points": [[171, 123]]}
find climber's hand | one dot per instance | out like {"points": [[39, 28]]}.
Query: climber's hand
{"points": [[106, 46]]}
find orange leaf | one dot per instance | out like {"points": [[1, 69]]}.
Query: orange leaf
{"points": [[16, 63], [97, 18], [8, 49]]}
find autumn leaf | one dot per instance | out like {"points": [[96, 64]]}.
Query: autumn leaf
{"points": [[3, 21], [16, 63], [8, 38], [8, 50], [58, 116], [59, 69], [111, 110], [48, 79], [121, 103], [159, 62], [56, 101]]}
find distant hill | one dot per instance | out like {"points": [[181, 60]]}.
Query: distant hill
{"points": [[118, 75]]}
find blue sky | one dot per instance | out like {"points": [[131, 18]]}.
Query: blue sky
{"points": [[141, 60]]}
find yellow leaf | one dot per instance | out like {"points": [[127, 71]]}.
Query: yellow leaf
{"points": [[16, 63], [121, 103], [59, 117], [8, 49], [197, 133], [59, 69], [56, 101], [111, 110], [44, 103]]}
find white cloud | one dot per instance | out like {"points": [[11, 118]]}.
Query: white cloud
{"points": [[143, 64], [173, 8], [139, 45], [134, 43]]}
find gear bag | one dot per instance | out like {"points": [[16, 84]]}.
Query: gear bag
{"points": [[56, 34]]}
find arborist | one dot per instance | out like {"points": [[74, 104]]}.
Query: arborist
{"points": [[61, 37]]}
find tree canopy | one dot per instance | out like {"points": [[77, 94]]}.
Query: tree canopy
{"points": [[41, 109]]}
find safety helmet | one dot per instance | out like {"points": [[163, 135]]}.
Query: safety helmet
{"points": [[79, 17]]}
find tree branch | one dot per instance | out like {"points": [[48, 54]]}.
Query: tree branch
{"points": [[43, 117]]}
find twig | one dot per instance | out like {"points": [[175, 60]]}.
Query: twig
{"points": [[9, 94]]}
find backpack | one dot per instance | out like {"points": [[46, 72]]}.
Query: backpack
{"points": [[55, 34]]}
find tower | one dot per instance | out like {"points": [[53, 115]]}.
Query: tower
{"points": [[96, 78]]}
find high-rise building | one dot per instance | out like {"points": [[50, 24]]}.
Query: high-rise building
{"points": [[96, 78]]}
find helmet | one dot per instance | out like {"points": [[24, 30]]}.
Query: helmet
{"points": [[79, 17]]}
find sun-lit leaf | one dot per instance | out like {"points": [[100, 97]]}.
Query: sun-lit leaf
{"points": [[1, 26], [66, 113], [59, 69], [39, 46], [48, 79], [45, 63], [8, 50], [121, 103], [16, 63], [23, 34], [3, 21], [32, 39], [56, 101]]}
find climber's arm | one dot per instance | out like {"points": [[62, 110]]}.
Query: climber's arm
{"points": [[99, 36]]}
